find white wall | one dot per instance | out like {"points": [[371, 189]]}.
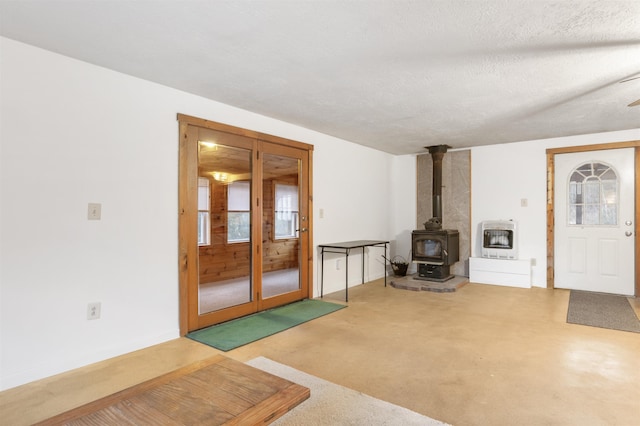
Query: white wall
{"points": [[72, 133], [404, 200], [503, 175], [352, 189]]}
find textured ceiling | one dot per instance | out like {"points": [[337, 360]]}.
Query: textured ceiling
{"points": [[392, 75]]}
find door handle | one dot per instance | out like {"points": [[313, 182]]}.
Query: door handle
{"points": [[628, 223], [628, 233], [301, 230]]}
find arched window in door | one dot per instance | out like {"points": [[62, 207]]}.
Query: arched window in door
{"points": [[593, 195]]}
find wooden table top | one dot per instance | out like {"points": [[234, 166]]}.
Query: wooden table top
{"points": [[215, 391], [354, 244]]}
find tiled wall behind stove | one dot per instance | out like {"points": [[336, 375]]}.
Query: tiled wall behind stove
{"points": [[456, 199]]}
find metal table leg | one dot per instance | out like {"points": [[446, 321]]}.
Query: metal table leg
{"points": [[346, 277], [322, 273], [385, 264], [362, 265]]}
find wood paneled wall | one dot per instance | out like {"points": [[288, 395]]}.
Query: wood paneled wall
{"points": [[277, 254], [222, 261]]}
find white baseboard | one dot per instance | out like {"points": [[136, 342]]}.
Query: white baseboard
{"points": [[511, 273], [51, 366]]}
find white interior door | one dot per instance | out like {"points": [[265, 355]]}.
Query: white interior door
{"points": [[594, 210]]}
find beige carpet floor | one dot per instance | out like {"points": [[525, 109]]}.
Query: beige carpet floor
{"points": [[223, 294], [331, 404]]}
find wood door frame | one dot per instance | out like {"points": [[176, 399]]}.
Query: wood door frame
{"points": [[186, 202], [551, 152]]}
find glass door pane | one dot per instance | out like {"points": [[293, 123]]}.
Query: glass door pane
{"points": [[224, 258], [281, 225]]}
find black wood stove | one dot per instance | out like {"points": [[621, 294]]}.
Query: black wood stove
{"points": [[435, 249]]}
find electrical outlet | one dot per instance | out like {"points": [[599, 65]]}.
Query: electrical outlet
{"points": [[338, 264], [94, 211], [93, 311]]}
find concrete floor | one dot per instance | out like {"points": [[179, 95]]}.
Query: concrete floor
{"points": [[484, 355]]}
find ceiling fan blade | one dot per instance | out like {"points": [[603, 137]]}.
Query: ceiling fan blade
{"points": [[636, 103], [629, 79]]}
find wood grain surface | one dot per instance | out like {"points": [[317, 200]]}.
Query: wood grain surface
{"points": [[214, 391]]}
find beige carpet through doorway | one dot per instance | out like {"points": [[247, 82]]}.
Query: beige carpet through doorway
{"points": [[222, 294], [332, 404]]}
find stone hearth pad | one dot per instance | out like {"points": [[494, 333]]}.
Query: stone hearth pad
{"points": [[410, 283]]}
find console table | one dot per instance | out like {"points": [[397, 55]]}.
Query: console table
{"points": [[346, 248]]}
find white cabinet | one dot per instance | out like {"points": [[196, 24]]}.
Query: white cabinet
{"points": [[511, 273]]}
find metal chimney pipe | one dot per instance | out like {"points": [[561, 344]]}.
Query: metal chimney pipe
{"points": [[437, 152]]}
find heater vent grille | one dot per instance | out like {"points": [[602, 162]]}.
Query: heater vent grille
{"points": [[499, 239]]}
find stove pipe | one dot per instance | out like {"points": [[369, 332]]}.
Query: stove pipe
{"points": [[437, 152]]}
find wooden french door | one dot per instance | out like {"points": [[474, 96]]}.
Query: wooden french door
{"points": [[244, 222]]}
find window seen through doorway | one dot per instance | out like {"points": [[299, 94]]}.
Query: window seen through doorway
{"points": [[286, 211], [239, 212], [204, 212]]}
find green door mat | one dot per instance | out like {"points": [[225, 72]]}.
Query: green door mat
{"points": [[239, 332]]}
